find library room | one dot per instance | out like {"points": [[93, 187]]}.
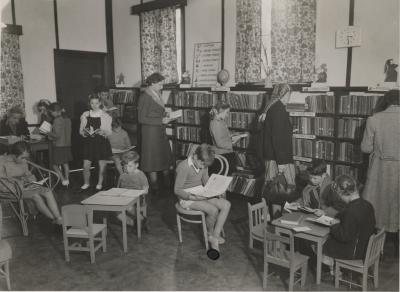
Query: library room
{"points": [[199, 145]]}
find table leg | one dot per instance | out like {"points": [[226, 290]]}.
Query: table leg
{"points": [[319, 261], [138, 221], [124, 238]]}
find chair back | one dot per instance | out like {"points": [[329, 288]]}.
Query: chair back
{"points": [[74, 216], [375, 247], [10, 190], [279, 249], [224, 165], [257, 214], [41, 172]]}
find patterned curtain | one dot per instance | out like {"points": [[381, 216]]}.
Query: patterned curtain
{"points": [[12, 88], [248, 41], [293, 40], [158, 43]]}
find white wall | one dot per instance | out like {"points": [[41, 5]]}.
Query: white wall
{"points": [[379, 22], [202, 25], [5, 8], [82, 25], [331, 15], [126, 35], [37, 44]]}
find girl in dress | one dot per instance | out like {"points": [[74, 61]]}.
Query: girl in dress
{"points": [[95, 128], [61, 136]]}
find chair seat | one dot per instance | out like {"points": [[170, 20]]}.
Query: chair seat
{"points": [[82, 232], [353, 263], [258, 231], [182, 210], [5, 251]]}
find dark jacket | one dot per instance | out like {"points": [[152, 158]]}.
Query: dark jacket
{"points": [[349, 239], [21, 128], [276, 135]]}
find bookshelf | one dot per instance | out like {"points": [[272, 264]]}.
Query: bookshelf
{"points": [[331, 127], [193, 127], [125, 99]]}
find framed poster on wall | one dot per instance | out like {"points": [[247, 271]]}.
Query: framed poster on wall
{"points": [[206, 64]]}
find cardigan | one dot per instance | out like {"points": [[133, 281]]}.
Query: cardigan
{"points": [[61, 132], [276, 137], [105, 126]]}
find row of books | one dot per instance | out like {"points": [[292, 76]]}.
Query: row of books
{"points": [[359, 103], [349, 152], [246, 160], [237, 100], [319, 126], [193, 117], [351, 128], [322, 103], [241, 120], [123, 96], [242, 184], [346, 169], [314, 148], [189, 133], [185, 149]]}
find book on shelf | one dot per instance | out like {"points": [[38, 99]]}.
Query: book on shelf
{"points": [[358, 103], [352, 128], [292, 218], [215, 186], [123, 96], [321, 103], [45, 127], [242, 184], [319, 126], [320, 149]]}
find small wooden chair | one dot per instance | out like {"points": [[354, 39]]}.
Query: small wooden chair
{"points": [[183, 214], [77, 223], [258, 218], [372, 256], [276, 252]]}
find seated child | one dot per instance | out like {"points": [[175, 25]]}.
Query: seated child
{"points": [[349, 238], [133, 178], [193, 172], [119, 140], [318, 193]]}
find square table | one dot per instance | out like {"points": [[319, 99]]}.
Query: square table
{"points": [[117, 200], [318, 234]]}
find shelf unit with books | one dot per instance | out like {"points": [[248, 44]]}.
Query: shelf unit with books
{"points": [[331, 128], [193, 127], [125, 99]]}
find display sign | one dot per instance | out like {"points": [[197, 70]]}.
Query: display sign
{"points": [[206, 64]]}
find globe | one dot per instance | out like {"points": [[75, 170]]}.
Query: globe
{"points": [[223, 76]]}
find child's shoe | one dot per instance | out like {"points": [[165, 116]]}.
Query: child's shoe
{"points": [[65, 182], [99, 187], [213, 242]]}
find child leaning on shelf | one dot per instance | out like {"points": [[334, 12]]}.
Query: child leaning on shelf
{"points": [[61, 136], [119, 140], [318, 193], [135, 179], [193, 172]]}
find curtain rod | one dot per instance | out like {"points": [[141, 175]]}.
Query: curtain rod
{"points": [[157, 4]]}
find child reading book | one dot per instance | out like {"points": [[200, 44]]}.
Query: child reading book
{"points": [[119, 140], [193, 172], [133, 178]]}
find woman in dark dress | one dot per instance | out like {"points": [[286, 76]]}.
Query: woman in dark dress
{"points": [[95, 128], [276, 138], [156, 153], [14, 123]]}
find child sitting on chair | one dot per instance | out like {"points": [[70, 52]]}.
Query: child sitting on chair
{"points": [[119, 140], [133, 178], [193, 172], [318, 193]]}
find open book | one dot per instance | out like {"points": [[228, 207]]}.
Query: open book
{"points": [[40, 182], [240, 135], [216, 186], [117, 151], [91, 131], [173, 115], [324, 220], [45, 127]]}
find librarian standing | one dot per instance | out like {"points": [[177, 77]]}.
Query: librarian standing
{"points": [[382, 139], [276, 137], [156, 153]]}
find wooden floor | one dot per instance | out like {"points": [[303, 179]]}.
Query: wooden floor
{"points": [[157, 261]]}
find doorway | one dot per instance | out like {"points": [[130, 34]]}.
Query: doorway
{"points": [[78, 74]]}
